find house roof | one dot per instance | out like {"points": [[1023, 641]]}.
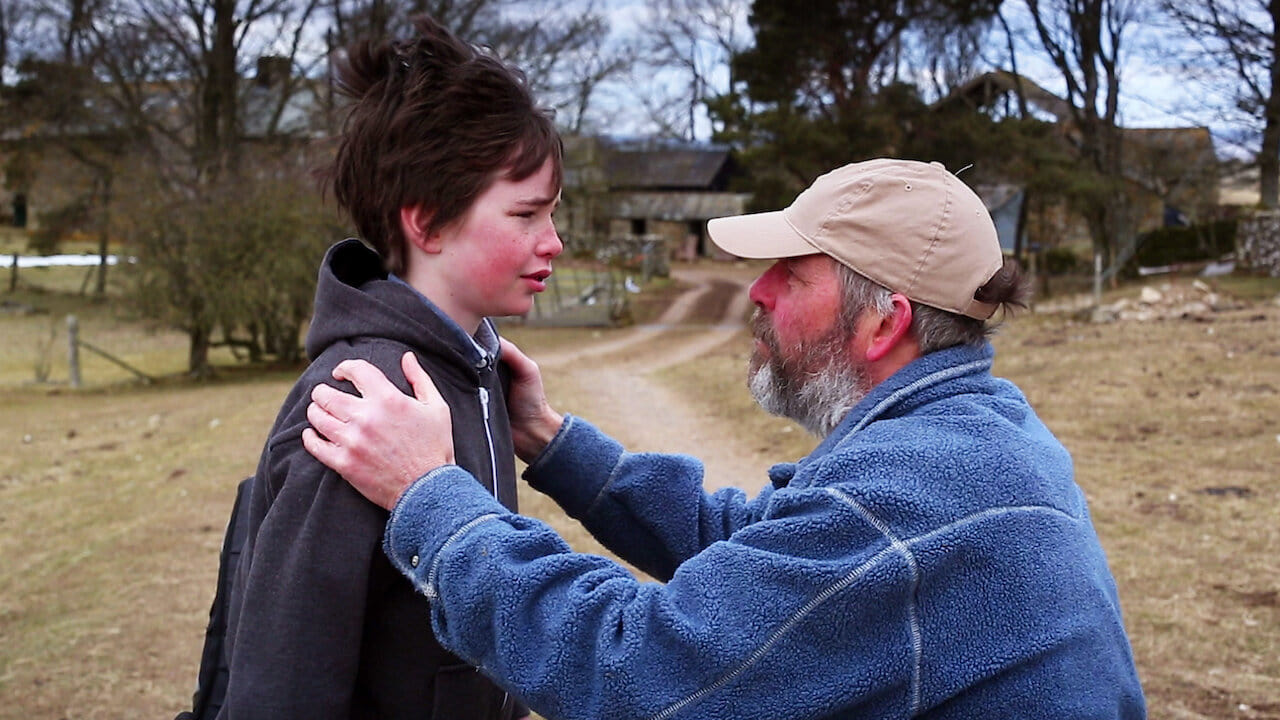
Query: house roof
{"points": [[300, 110], [298, 101], [1177, 164], [665, 167], [997, 195], [676, 205], [1188, 144], [982, 90]]}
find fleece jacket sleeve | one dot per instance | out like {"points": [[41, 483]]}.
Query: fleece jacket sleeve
{"points": [[754, 626], [297, 641], [648, 508]]}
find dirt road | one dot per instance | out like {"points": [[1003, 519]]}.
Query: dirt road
{"points": [[615, 383]]}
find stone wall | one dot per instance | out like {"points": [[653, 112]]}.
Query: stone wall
{"points": [[1258, 240]]}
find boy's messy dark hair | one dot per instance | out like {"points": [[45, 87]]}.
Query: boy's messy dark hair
{"points": [[433, 123]]}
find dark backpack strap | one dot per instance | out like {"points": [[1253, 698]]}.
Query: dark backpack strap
{"points": [[211, 682]]}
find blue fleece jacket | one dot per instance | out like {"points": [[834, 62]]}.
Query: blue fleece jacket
{"points": [[931, 558]]}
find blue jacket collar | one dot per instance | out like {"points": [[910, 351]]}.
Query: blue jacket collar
{"points": [[921, 374], [924, 372]]}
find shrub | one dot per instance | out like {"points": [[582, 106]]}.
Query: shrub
{"points": [[59, 223], [237, 261], [1171, 245], [1062, 261]]}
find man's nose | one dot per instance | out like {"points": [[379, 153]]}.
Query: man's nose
{"points": [[762, 290]]}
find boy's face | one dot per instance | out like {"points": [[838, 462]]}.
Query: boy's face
{"points": [[497, 256]]}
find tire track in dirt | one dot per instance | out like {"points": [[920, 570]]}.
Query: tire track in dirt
{"points": [[613, 383]]}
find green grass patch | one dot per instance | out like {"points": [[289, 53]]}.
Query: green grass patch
{"points": [[1248, 287]]}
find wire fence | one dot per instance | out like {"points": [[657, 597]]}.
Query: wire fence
{"points": [[600, 295]]}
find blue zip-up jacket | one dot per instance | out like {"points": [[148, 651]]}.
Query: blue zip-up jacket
{"points": [[931, 558]]}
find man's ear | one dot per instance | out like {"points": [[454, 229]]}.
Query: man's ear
{"points": [[415, 224], [891, 330]]}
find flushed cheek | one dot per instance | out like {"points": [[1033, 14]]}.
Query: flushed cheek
{"points": [[498, 277], [795, 321], [785, 329]]}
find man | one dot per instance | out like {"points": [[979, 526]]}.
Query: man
{"points": [[932, 557]]}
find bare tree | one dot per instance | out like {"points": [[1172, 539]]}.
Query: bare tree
{"points": [[593, 65], [565, 54], [19, 33], [952, 54], [187, 57], [353, 20], [1241, 37], [175, 78], [1084, 39], [696, 39]]}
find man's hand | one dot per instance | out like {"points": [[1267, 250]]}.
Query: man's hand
{"points": [[533, 422], [381, 440]]}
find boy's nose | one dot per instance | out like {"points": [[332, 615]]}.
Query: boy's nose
{"points": [[550, 245]]}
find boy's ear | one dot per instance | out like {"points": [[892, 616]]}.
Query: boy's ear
{"points": [[415, 224]]}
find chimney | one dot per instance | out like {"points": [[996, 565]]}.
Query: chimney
{"points": [[273, 70]]}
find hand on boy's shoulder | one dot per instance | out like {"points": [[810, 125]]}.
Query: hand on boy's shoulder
{"points": [[380, 440]]}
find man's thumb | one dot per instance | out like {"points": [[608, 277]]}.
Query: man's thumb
{"points": [[423, 387]]}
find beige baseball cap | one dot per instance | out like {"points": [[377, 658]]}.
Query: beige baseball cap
{"points": [[911, 226]]}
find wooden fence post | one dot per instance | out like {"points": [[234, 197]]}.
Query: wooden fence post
{"points": [[1097, 278], [73, 349]]}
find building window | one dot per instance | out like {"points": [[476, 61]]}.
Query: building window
{"points": [[639, 226]]}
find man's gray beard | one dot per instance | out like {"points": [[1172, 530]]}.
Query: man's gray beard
{"points": [[817, 398]]}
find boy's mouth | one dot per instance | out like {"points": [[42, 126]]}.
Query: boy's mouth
{"points": [[537, 280]]}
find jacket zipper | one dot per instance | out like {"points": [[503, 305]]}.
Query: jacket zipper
{"points": [[488, 436], [493, 476]]}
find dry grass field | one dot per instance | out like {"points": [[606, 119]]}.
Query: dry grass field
{"points": [[113, 498]]}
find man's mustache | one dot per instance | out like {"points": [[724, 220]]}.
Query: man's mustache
{"points": [[762, 329]]}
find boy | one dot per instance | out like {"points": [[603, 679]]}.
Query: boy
{"points": [[451, 173]]}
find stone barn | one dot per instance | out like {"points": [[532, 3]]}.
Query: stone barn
{"points": [[648, 192]]}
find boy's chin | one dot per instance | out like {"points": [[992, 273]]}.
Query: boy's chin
{"points": [[515, 309]]}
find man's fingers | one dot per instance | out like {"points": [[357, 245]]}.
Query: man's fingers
{"points": [[323, 450], [341, 405], [423, 387], [515, 358], [368, 379], [325, 422]]}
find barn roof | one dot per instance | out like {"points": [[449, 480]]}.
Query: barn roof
{"points": [[661, 167], [676, 205], [985, 88]]}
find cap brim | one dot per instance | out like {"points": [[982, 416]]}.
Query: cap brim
{"points": [[759, 235]]}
